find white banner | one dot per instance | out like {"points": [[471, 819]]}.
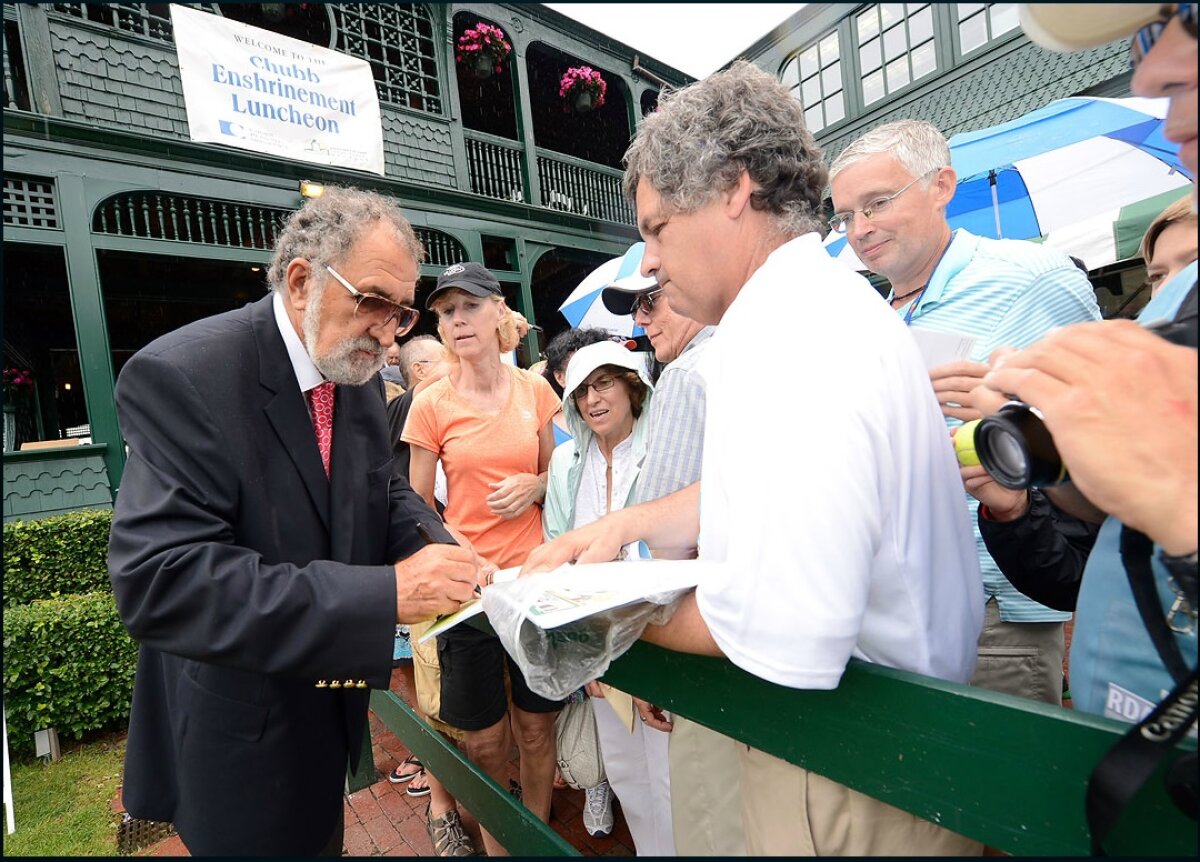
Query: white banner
{"points": [[257, 90]]}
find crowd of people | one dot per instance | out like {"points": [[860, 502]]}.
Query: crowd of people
{"points": [[279, 516]]}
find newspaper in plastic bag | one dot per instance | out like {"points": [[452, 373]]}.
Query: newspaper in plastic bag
{"points": [[564, 628]]}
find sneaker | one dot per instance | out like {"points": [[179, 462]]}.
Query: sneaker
{"points": [[447, 834], [598, 811]]}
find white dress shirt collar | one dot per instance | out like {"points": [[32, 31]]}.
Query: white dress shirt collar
{"points": [[307, 374]]}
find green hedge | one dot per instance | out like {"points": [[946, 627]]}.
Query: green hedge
{"points": [[57, 556], [68, 664]]}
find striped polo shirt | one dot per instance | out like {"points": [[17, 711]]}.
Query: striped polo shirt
{"points": [[1004, 293]]}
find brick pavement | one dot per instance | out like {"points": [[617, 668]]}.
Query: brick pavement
{"points": [[382, 820]]}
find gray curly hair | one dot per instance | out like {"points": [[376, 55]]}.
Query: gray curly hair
{"points": [[703, 136], [917, 145], [324, 229]]}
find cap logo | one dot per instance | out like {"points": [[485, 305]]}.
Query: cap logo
{"points": [[454, 270]]}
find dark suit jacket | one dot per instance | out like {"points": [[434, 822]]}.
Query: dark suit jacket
{"points": [[247, 576]]}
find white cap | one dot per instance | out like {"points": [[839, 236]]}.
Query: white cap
{"points": [[588, 359], [1074, 26]]}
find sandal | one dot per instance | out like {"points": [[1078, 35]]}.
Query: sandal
{"points": [[396, 776], [413, 790], [447, 834]]}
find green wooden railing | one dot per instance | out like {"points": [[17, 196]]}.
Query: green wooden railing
{"points": [[1006, 771], [496, 170], [573, 185], [495, 166]]}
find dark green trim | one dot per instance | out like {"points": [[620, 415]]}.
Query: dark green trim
{"points": [[192, 156], [91, 326], [39, 60], [57, 454], [1006, 771], [512, 824]]}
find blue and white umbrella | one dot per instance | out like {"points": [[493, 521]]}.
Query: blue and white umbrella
{"points": [[1058, 173], [584, 306]]}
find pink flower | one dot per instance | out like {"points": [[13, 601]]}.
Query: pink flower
{"points": [[483, 39]]}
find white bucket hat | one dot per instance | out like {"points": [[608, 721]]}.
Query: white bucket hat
{"points": [[588, 359], [1074, 26]]}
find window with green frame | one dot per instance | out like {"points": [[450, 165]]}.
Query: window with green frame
{"points": [[896, 46], [398, 41], [814, 76], [980, 23]]}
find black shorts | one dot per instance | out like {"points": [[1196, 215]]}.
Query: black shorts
{"points": [[473, 692]]}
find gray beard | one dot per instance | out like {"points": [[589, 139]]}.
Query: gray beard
{"points": [[341, 364]]}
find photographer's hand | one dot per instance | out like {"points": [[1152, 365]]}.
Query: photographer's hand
{"points": [[953, 384], [1003, 504], [1121, 403]]}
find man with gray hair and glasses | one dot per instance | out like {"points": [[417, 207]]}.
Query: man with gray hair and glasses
{"points": [[261, 552], [829, 513], [890, 189]]}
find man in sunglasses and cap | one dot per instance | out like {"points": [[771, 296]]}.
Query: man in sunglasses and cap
{"points": [[261, 551], [707, 821]]}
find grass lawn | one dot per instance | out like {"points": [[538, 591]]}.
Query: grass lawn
{"points": [[64, 808]]}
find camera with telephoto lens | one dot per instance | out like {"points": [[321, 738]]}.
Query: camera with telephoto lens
{"points": [[1014, 446]]}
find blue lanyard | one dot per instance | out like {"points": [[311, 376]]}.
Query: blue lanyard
{"points": [[912, 307]]}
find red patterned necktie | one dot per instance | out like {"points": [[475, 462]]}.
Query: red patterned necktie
{"points": [[320, 403]]}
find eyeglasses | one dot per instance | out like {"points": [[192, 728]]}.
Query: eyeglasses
{"points": [[600, 384], [377, 308], [645, 301], [841, 221], [1145, 38]]}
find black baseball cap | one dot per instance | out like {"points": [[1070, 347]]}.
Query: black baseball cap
{"points": [[474, 278]]}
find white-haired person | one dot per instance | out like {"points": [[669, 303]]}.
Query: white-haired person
{"points": [[890, 190], [490, 425]]}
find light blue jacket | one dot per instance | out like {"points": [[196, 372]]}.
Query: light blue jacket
{"points": [[566, 466]]}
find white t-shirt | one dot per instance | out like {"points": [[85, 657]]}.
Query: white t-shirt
{"points": [[829, 487]]}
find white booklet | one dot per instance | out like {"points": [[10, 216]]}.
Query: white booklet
{"points": [[572, 592], [939, 348], [469, 609]]}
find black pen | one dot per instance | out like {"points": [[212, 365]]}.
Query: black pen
{"points": [[425, 534]]}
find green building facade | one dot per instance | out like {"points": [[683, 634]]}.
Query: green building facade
{"points": [[119, 228], [960, 66]]}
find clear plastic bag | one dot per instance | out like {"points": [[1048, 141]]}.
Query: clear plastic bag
{"points": [[557, 661]]}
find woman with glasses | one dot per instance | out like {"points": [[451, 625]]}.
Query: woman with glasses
{"points": [[558, 354], [489, 423], [606, 405]]}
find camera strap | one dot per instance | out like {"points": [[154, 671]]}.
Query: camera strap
{"points": [[1128, 764]]}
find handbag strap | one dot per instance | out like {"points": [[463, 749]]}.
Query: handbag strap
{"points": [[1128, 764]]}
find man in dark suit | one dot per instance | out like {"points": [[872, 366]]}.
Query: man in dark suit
{"points": [[262, 552]]}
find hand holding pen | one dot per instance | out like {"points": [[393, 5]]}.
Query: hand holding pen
{"points": [[437, 579]]}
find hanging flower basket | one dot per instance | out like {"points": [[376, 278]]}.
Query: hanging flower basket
{"points": [[18, 385], [483, 49], [582, 88]]}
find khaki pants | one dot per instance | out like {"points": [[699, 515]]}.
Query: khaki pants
{"points": [[789, 811], [706, 804], [1025, 659]]}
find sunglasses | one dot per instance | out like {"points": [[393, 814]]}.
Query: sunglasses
{"points": [[1145, 39], [644, 302], [377, 308]]}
